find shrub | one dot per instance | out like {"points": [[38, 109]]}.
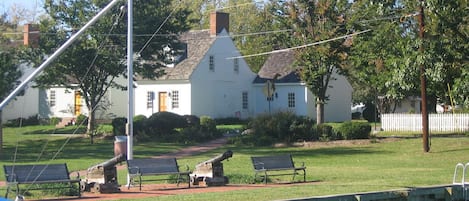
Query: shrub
{"points": [[229, 121], [282, 127], [164, 123], [118, 126], [325, 132], [54, 120], [82, 120], [30, 121], [355, 130], [192, 120], [139, 125]]}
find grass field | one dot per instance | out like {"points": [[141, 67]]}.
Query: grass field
{"points": [[331, 168]]}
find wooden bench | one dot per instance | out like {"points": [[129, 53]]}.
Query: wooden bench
{"points": [[155, 166], [38, 174], [284, 163]]}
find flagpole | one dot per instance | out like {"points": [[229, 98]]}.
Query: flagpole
{"points": [[130, 85]]}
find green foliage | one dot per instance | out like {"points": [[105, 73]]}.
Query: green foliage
{"points": [[96, 59], [164, 123], [325, 132], [229, 121], [118, 126], [281, 127], [82, 120], [208, 124], [54, 120], [18, 122], [354, 130]]}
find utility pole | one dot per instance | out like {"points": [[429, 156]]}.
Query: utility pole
{"points": [[423, 80]]}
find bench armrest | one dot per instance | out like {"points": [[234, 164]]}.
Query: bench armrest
{"points": [[259, 164], [134, 168], [78, 175], [302, 165], [11, 176]]}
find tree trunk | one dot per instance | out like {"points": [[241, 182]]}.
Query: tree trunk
{"points": [[91, 125], [319, 111]]}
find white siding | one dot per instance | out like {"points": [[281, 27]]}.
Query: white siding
{"points": [[141, 98], [337, 108], [218, 93]]}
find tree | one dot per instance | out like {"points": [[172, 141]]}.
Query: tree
{"points": [[379, 61], [386, 61], [9, 68], [314, 21], [98, 58]]}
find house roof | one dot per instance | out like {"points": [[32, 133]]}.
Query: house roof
{"points": [[280, 64], [198, 43]]}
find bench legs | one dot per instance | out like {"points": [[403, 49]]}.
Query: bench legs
{"points": [[179, 179], [265, 176]]}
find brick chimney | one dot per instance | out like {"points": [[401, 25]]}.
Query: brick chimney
{"points": [[218, 22], [30, 35]]}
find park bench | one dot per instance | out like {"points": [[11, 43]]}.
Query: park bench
{"points": [[37, 175], [281, 164], [155, 166]]}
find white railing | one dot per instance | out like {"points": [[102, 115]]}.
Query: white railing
{"points": [[436, 122]]}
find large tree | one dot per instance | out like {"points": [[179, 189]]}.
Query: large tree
{"points": [[314, 21], [9, 67], [94, 62], [386, 62]]}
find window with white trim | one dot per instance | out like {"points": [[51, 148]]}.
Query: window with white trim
{"points": [[175, 99], [245, 100], [211, 63], [150, 98], [291, 100], [236, 65], [52, 98]]}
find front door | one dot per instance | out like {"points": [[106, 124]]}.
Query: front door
{"points": [[77, 103], [162, 101]]}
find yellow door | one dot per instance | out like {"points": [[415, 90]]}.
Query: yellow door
{"points": [[77, 103], [162, 101]]}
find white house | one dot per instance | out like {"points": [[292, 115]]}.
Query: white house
{"points": [[291, 94], [204, 81]]}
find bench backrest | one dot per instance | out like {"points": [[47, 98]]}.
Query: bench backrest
{"points": [[36, 173], [152, 165], [272, 162]]}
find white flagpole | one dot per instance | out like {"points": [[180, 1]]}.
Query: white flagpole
{"points": [[130, 85]]}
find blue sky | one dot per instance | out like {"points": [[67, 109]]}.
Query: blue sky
{"points": [[29, 4]]}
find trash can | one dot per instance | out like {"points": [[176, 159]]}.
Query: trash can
{"points": [[120, 145]]}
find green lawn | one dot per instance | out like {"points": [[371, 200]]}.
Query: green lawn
{"points": [[333, 169]]}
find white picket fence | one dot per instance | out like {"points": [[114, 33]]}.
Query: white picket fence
{"points": [[436, 122]]}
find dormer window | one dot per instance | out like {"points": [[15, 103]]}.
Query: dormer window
{"points": [[211, 63], [236, 65]]}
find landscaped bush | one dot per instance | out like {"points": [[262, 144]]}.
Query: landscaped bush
{"points": [[192, 120], [325, 132], [229, 121], [118, 126], [355, 130], [54, 120], [283, 127], [82, 120], [139, 125], [164, 123], [30, 121]]}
